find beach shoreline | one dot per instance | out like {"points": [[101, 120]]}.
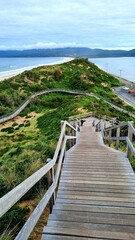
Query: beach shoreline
{"points": [[31, 67], [7, 77], [122, 80]]}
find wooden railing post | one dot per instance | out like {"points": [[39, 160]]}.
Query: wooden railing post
{"points": [[93, 123], [110, 135], [62, 122], [74, 135], [69, 134], [105, 135], [130, 136], [117, 135], [72, 141], [50, 178]]}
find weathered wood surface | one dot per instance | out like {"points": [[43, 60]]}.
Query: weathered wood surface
{"points": [[96, 196]]}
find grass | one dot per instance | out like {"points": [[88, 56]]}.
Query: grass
{"points": [[7, 235]]}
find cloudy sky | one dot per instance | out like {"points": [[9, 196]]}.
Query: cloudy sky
{"points": [[108, 24]]}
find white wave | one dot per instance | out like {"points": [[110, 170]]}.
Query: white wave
{"points": [[20, 70]]}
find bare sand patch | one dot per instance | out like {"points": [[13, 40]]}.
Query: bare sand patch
{"points": [[8, 77]]}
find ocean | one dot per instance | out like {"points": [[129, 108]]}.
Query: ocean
{"points": [[12, 66], [123, 67]]}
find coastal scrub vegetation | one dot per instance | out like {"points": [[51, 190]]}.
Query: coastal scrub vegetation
{"points": [[27, 141], [78, 74]]}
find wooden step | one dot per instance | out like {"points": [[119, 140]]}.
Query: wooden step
{"points": [[96, 195]]}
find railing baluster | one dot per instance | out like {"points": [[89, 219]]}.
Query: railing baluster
{"points": [[50, 178], [130, 136], [117, 135], [110, 135]]}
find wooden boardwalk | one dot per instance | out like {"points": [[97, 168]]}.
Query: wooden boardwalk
{"points": [[96, 196]]}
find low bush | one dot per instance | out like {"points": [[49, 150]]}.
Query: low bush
{"points": [[14, 219], [14, 124], [8, 130]]}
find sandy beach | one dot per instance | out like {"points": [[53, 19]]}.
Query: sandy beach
{"points": [[123, 80], [6, 77], [31, 67]]}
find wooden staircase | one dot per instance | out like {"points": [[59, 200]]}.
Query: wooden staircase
{"points": [[96, 195]]}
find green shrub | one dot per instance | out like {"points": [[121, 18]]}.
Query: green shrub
{"points": [[21, 125], [14, 217], [8, 130], [27, 123], [4, 150], [16, 152], [28, 116], [14, 124]]}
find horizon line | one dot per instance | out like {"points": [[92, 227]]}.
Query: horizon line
{"points": [[47, 48]]}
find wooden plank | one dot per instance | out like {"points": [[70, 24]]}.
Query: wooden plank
{"points": [[92, 175], [92, 226], [88, 217], [90, 233], [99, 198], [97, 194], [97, 209], [97, 163], [64, 237], [97, 190], [104, 167], [98, 169], [90, 170], [71, 171], [97, 182], [97, 178], [96, 186], [97, 155], [96, 202]]}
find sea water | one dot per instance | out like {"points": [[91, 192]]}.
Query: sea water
{"points": [[12, 66], [122, 66]]}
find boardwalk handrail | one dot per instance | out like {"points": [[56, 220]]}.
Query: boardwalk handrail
{"points": [[90, 114], [8, 200], [17, 111], [98, 126], [107, 136]]}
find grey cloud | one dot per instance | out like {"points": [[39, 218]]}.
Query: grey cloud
{"points": [[101, 23]]}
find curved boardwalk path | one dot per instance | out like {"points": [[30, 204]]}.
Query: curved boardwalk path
{"points": [[96, 196], [27, 102]]}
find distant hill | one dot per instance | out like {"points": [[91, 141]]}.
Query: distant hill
{"points": [[67, 52]]}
